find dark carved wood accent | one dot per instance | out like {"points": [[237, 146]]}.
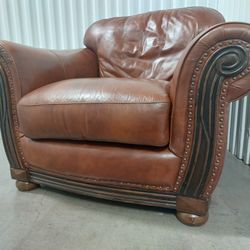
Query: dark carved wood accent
{"points": [[105, 192], [191, 205], [7, 123], [19, 174], [225, 62]]}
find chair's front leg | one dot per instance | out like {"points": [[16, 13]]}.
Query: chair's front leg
{"points": [[220, 61]]}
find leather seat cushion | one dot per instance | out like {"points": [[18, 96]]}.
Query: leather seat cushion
{"points": [[120, 110]]}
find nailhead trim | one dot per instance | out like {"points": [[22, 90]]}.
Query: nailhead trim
{"points": [[190, 124], [7, 60], [220, 142]]}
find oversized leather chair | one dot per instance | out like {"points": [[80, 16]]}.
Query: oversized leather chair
{"points": [[139, 115]]}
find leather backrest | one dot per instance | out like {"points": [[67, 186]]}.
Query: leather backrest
{"points": [[147, 45]]}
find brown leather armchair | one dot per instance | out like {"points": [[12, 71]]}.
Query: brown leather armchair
{"points": [[139, 115]]}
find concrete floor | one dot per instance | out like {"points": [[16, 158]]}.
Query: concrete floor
{"points": [[49, 219]]}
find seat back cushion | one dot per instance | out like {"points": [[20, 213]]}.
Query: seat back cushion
{"points": [[147, 45]]}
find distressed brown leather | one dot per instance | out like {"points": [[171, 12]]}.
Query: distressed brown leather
{"points": [[148, 45], [180, 84], [239, 88], [110, 164], [133, 111]]}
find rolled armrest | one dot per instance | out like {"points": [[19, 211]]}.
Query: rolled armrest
{"points": [[213, 72], [30, 68]]}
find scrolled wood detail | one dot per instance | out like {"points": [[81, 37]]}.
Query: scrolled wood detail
{"points": [[205, 138]]}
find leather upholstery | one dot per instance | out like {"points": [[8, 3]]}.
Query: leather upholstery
{"points": [[180, 84], [148, 45], [32, 68], [133, 111], [109, 164]]}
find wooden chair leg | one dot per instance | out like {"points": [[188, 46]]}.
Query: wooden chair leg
{"points": [[26, 186], [192, 219]]}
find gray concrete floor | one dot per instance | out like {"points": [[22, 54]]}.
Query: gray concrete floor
{"points": [[49, 219]]}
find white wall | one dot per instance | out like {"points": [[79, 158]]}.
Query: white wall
{"points": [[235, 10], [60, 24]]}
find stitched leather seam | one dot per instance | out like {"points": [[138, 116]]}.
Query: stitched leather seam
{"points": [[93, 103], [60, 62], [239, 97]]}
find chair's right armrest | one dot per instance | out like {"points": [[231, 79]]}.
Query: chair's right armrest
{"points": [[28, 68], [23, 69]]}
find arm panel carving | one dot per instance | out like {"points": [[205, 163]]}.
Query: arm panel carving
{"points": [[214, 62]]}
